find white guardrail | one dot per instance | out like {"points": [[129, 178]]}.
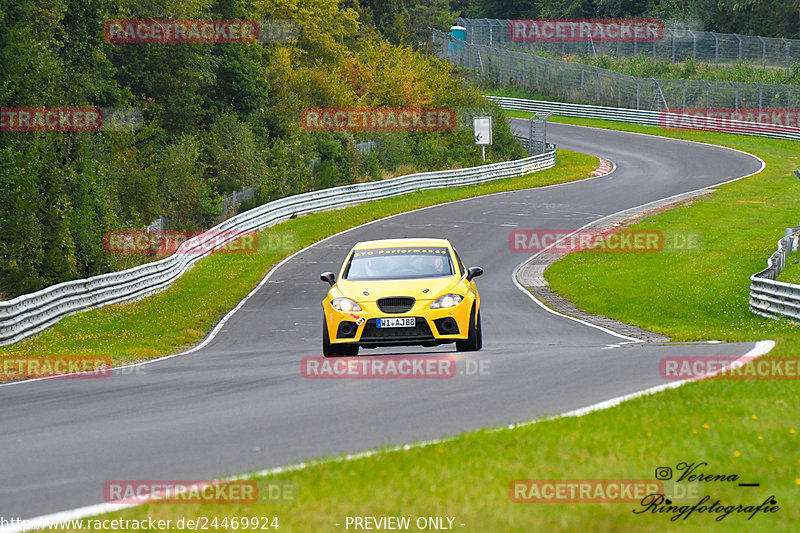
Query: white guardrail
{"points": [[31, 313], [633, 116], [776, 299]]}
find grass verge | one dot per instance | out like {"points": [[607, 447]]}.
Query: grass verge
{"points": [[182, 315]]}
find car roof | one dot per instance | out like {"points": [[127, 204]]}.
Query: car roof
{"points": [[387, 243]]}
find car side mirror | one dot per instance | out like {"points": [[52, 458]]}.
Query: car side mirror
{"points": [[330, 277], [474, 272]]}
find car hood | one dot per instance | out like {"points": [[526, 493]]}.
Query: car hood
{"points": [[405, 287]]}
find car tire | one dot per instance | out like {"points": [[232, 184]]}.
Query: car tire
{"points": [[335, 350], [474, 341]]}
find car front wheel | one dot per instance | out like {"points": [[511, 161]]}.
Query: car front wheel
{"points": [[474, 341], [335, 350]]}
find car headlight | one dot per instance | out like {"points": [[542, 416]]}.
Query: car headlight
{"points": [[345, 305], [448, 300]]}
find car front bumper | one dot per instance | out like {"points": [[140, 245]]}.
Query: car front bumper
{"points": [[432, 326]]}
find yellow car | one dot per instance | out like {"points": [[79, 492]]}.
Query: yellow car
{"points": [[401, 292]]}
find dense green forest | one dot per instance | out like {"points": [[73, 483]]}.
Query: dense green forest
{"points": [[217, 117]]}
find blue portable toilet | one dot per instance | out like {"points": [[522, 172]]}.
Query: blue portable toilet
{"points": [[460, 33]]}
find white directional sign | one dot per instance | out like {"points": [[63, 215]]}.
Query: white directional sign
{"points": [[483, 130]]}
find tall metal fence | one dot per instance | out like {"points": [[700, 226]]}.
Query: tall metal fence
{"points": [[676, 46], [576, 82]]}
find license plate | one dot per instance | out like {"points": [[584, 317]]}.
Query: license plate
{"points": [[398, 322]]}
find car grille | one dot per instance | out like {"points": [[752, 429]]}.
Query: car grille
{"points": [[396, 304], [421, 331]]}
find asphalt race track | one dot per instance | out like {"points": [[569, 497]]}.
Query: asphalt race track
{"points": [[240, 403]]}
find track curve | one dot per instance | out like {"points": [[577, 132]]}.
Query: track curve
{"points": [[240, 402]]}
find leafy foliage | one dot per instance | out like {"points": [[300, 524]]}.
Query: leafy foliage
{"points": [[217, 117]]}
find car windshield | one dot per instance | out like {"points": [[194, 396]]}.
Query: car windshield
{"points": [[399, 263]]}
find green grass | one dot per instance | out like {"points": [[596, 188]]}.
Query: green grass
{"points": [[791, 274], [740, 224], [182, 315]]}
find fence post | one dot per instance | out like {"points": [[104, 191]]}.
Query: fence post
{"points": [[716, 49], [694, 45], [763, 52], [739, 38], [547, 75], [637, 93], [788, 44], [597, 72], [683, 96], [525, 71], [673, 44]]}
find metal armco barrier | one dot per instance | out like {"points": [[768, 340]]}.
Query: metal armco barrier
{"points": [[29, 314], [776, 299], [619, 114]]}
